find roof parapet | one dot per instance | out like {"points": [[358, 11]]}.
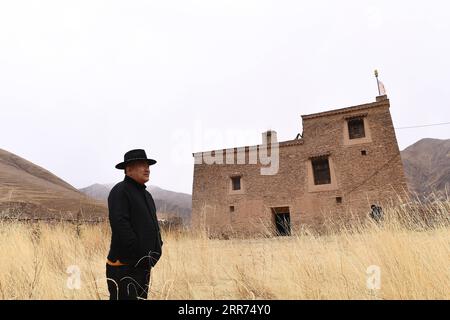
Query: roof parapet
{"points": [[380, 101]]}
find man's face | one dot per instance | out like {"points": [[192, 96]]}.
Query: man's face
{"points": [[139, 171]]}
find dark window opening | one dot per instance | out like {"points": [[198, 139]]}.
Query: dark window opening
{"points": [[356, 128], [321, 170], [338, 199], [236, 183], [231, 208], [282, 221], [363, 152]]}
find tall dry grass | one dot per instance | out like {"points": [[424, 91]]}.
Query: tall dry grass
{"points": [[411, 247]]}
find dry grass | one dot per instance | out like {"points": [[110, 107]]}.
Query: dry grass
{"points": [[412, 252]]}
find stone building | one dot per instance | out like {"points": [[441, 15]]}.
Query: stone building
{"points": [[345, 160]]}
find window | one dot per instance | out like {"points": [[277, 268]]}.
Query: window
{"points": [[338, 199], [356, 128], [236, 183], [231, 208], [321, 170], [363, 152]]}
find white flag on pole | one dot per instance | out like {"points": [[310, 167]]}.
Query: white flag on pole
{"points": [[381, 87]]}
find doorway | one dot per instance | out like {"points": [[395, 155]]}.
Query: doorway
{"points": [[282, 219]]}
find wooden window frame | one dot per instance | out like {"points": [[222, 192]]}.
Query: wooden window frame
{"points": [[356, 128], [319, 173]]}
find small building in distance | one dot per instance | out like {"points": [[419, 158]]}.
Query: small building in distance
{"points": [[346, 160]]}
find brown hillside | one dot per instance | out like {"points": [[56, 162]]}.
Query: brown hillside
{"points": [[169, 204], [427, 166], [29, 190]]}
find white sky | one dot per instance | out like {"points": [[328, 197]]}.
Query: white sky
{"points": [[82, 82]]}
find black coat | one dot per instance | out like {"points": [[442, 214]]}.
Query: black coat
{"points": [[136, 238]]}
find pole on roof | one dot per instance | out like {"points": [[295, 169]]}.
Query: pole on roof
{"points": [[378, 83]]}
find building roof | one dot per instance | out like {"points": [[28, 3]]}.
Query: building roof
{"points": [[381, 100], [247, 148]]}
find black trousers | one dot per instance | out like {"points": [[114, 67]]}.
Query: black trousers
{"points": [[127, 282]]}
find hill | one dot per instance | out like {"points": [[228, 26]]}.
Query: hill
{"points": [[30, 190], [427, 166]]}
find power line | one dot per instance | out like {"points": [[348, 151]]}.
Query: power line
{"points": [[425, 125], [373, 174]]}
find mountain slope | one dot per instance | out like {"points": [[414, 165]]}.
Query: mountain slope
{"points": [[167, 202], [427, 166], [27, 189], [97, 191]]}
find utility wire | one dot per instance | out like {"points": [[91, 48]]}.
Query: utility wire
{"points": [[425, 125], [393, 158], [373, 174]]}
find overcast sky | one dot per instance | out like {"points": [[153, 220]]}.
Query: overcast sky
{"points": [[82, 82]]}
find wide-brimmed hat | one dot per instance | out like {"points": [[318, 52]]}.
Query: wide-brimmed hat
{"points": [[134, 155]]}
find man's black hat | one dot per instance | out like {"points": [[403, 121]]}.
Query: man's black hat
{"points": [[134, 155]]}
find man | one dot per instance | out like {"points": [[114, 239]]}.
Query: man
{"points": [[136, 244], [376, 213]]}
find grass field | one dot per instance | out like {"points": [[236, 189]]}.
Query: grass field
{"points": [[412, 253]]}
